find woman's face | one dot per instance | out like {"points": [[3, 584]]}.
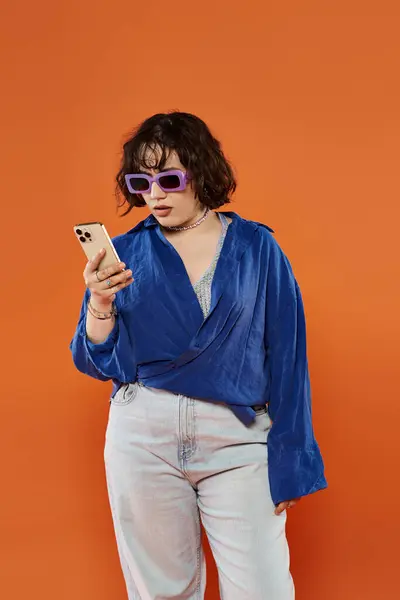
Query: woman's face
{"points": [[184, 208]]}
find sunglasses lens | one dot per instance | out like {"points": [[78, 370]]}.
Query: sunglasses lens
{"points": [[139, 184], [170, 182]]}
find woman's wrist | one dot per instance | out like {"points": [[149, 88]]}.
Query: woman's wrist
{"points": [[101, 306], [101, 311]]}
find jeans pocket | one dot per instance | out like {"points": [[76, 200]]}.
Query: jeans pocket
{"points": [[260, 410], [125, 395], [262, 420]]}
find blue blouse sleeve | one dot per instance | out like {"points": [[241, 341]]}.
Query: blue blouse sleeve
{"points": [[111, 359], [295, 463]]}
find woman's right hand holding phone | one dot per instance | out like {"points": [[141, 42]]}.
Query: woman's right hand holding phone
{"points": [[105, 283]]}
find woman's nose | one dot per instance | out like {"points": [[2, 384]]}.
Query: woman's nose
{"points": [[156, 191]]}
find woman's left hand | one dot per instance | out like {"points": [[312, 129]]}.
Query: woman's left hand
{"points": [[287, 504]]}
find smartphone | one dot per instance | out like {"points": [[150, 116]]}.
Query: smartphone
{"points": [[92, 237]]}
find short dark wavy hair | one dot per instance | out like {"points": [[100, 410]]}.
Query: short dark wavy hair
{"points": [[198, 150]]}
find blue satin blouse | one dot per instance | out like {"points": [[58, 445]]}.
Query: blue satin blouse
{"points": [[249, 350]]}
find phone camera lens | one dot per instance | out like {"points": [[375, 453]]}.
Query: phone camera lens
{"points": [[78, 231], [87, 234], [83, 239]]}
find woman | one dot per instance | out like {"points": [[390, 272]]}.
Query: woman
{"points": [[202, 331]]}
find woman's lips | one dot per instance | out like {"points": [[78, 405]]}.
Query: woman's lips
{"points": [[162, 212]]}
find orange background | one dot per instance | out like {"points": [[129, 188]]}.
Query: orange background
{"points": [[305, 97]]}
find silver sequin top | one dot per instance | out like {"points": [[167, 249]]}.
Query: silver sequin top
{"points": [[202, 287]]}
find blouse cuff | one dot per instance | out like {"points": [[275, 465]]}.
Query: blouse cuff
{"points": [[295, 473]]}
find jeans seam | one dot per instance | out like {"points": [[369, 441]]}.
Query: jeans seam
{"points": [[187, 443], [193, 441], [186, 440], [198, 553]]}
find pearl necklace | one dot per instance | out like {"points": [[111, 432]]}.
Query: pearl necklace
{"points": [[203, 218]]}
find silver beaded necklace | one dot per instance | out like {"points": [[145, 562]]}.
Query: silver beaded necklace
{"points": [[203, 218]]}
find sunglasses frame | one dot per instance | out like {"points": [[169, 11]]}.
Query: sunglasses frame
{"points": [[182, 176]]}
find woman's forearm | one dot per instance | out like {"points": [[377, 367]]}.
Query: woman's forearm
{"points": [[98, 330]]}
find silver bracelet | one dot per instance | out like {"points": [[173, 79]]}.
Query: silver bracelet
{"points": [[102, 316]]}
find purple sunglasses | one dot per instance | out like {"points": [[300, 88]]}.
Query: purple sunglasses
{"points": [[169, 181]]}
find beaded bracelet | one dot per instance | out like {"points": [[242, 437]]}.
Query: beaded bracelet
{"points": [[103, 316]]}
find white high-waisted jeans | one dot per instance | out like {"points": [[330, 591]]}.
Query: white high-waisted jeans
{"points": [[173, 462]]}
